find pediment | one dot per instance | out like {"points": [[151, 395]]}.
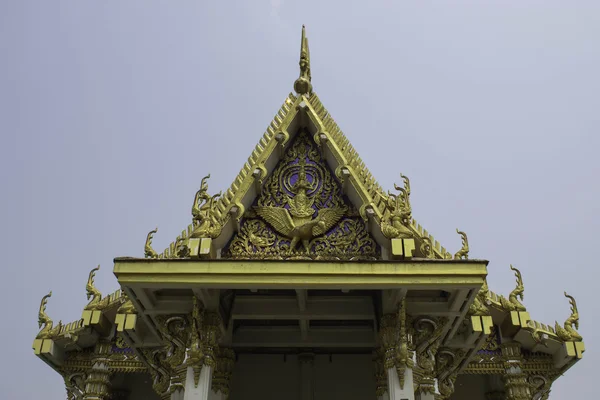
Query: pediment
{"points": [[302, 212], [305, 115]]}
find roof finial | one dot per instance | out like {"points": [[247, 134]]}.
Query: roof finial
{"points": [[302, 84]]}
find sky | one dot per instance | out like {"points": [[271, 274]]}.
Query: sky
{"points": [[111, 112]]}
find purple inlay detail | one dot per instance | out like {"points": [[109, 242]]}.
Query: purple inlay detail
{"points": [[125, 350]]}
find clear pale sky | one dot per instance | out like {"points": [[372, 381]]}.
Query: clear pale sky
{"points": [[111, 112]]}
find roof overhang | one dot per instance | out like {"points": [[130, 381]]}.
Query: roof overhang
{"points": [[304, 274]]}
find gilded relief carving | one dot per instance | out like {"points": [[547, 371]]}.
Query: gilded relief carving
{"points": [[301, 213]]}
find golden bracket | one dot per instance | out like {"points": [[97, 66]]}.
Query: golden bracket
{"points": [[480, 325], [281, 138], [47, 349], [367, 213], [516, 321], [259, 174], [343, 173], [202, 248], [236, 212], [96, 320], [569, 352], [403, 248], [125, 322]]}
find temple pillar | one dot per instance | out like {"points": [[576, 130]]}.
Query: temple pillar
{"points": [[427, 336], [221, 382], [381, 389], [307, 383], [97, 383], [397, 359], [420, 395], [516, 386], [400, 384], [200, 388], [202, 356], [177, 384]]}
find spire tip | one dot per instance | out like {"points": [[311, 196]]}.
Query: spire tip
{"points": [[303, 84]]}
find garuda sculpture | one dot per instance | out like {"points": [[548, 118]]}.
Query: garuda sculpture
{"points": [[298, 223]]}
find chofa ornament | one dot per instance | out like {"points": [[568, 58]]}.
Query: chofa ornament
{"points": [[204, 217], [567, 332]]}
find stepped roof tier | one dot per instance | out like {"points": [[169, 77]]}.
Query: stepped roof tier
{"points": [[304, 250]]}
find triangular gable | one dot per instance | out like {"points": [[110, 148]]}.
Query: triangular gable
{"points": [[386, 216], [302, 212], [306, 113]]}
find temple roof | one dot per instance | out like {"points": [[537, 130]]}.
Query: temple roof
{"points": [[404, 249], [304, 112]]}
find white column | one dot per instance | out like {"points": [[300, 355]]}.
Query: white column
{"points": [[200, 392], [424, 396], [216, 396], [384, 396], [177, 395], [306, 361], [395, 391]]}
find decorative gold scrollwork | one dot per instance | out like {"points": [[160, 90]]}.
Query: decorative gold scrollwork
{"points": [[301, 203]]}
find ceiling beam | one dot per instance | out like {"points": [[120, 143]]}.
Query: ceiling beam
{"points": [[292, 337], [304, 324], [303, 308]]}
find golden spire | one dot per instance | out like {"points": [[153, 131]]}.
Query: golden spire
{"points": [[302, 84]]}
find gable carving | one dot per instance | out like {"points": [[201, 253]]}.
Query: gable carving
{"points": [[301, 213]]}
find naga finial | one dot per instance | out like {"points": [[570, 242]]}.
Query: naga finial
{"points": [[303, 84], [148, 250], [479, 305], [203, 197], [93, 294], [520, 286], [89, 287], [205, 221], [45, 323], [513, 303], [568, 333], [400, 212], [43, 318], [463, 253]]}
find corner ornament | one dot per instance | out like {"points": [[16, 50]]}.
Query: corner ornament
{"points": [[148, 250], [479, 306], [204, 219], [463, 253], [397, 224], [568, 332], [45, 323], [93, 294], [513, 303]]}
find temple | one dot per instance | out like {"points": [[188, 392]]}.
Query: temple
{"points": [[305, 279]]}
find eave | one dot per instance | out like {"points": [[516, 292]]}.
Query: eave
{"points": [[306, 274]]}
